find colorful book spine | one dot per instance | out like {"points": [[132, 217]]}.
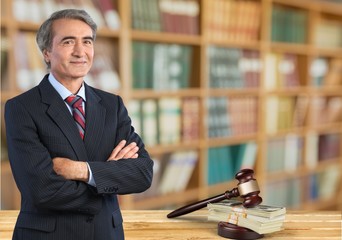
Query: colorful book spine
{"points": [[288, 25], [233, 20]]}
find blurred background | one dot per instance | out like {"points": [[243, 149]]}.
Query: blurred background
{"points": [[212, 86]]}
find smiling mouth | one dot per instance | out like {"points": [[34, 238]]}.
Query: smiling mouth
{"points": [[79, 63]]}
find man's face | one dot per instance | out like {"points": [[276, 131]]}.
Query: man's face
{"points": [[72, 51]]}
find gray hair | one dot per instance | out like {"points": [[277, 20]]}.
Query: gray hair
{"points": [[45, 34]]}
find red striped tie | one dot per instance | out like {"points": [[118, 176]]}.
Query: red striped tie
{"points": [[75, 102]]}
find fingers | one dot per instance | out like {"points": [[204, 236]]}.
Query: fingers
{"points": [[117, 149], [121, 151]]}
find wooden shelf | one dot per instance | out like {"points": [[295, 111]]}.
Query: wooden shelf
{"points": [[163, 37], [200, 89]]}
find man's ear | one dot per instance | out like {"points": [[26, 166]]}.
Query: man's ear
{"points": [[46, 55]]}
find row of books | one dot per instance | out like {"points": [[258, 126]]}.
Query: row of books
{"points": [[175, 16], [281, 70], [289, 25], [232, 116], [287, 193], [324, 184], [233, 20], [233, 68], [171, 173], [287, 153], [292, 192], [325, 110], [166, 120], [283, 113], [170, 66], [326, 72], [30, 66], [224, 162], [262, 219], [161, 66], [284, 153], [331, 28], [322, 147], [280, 113], [104, 12]]}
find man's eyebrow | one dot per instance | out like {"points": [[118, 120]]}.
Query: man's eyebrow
{"points": [[72, 37], [88, 38]]}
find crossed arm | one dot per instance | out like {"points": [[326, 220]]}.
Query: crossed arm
{"points": [[78, 170]]}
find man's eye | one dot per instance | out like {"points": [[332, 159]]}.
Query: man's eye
{"points": [[68, 42], [88, 42]]}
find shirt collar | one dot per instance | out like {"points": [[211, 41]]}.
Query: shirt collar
{"points": [[63, 91]]}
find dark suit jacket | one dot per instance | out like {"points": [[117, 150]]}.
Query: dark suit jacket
{"points": [[39, 127]]}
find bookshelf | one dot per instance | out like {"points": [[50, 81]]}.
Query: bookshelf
{"points": [[254, 92]]}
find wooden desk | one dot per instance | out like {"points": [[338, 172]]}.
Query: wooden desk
{"points": [[153, 225]]}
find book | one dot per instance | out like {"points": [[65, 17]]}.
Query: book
{"points": [[300, 111], [142, 64], [180, 61], [36, 64], [292, 152], [334, 109], [134, 111], [275, 154], [23, 74], [271, 119], [329, 146], [150, 131], [248, 156], [233, 20], [288, 25], [189, 161], [103, 73], [334, 76], [181, 16], [110, 13], [218, 118], [177, 171], [328, 182], [318, 70], [311, 149], [190, 119], [331, 28], [169, 112]]}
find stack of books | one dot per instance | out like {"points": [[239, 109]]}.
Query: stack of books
{"points": [[262, 219]]}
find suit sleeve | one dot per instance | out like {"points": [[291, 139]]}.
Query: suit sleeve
{"points": [[124, 176], [33, 171]]}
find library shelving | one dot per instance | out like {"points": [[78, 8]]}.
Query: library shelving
{"points": [[212, 86]]}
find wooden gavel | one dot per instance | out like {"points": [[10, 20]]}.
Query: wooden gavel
{"points": [[247, 188]]}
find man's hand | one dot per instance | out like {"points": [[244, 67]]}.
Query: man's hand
{"points": [[71, 170], [121, 151]]}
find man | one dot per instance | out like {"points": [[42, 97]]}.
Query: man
{"points": [[70, 162]]}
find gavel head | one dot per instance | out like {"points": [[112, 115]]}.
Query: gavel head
{"points": [[248, 188]]}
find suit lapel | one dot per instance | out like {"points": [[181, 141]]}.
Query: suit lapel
{"points": [[61, 116], [95, 123]]}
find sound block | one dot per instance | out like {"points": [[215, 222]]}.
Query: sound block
{"points": [[228, 230]]}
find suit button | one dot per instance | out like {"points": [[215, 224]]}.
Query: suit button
{"points": [[89, 219]]}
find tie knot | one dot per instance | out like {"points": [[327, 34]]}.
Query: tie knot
{"points": [[74, 101]]}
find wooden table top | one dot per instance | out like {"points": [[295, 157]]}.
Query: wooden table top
{"points": [[154, 225]]}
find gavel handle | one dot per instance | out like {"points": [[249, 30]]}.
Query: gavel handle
{"points": [[198, 205]]}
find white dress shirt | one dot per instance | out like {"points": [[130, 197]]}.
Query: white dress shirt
{"points": [[64, 92]]}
